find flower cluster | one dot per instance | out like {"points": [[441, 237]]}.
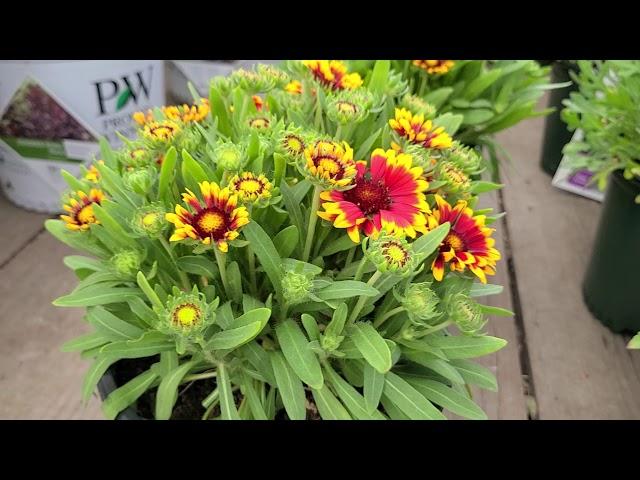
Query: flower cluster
{"points": [[304, 226]]}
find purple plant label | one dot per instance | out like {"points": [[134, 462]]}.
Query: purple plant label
{"points": [[580, 178]]}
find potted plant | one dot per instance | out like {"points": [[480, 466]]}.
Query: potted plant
{"points": [[286, 249], [556, 133], [606, 110]]}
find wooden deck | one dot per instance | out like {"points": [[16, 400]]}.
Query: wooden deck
{"points": [[560, 363]]}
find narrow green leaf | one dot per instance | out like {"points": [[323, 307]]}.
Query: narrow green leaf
{"points": [[350, 397], [257, 410], [250, 303], [447, 398], [379, 77], [328, 405], [95, 373], [295, 348], [449, 121], [340, 244], [96, 295], [196, 264], [119, 235], [266, 253], [280, 167], [408, 400], [336, 325], [106, 152], [127, 394], [234, 280], [475, 374], [193, 167], [73, 239], [168, 391], [227, 403], [151, 294], [367, 144], [290, 387], [441, 367], [234, 337], [85, 342], [372, 346], [151, 343], [346, 289], [111, 326], [483, 187], [497, 311], [219, 112], [259, 359], [465, 347], [481, 83], [311, 326], [438, 96], [260, 315], [485, 289], [427, 244], [167, 172], [286, 241], [78, 262], [373, 387], [293, 208]]}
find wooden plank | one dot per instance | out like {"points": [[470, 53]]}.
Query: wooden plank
{"points": [[581, 370], [37, 380], [17, 228]]}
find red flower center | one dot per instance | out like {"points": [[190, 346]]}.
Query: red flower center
{"points": [[370, 196], [453, 241], [211, 222]]}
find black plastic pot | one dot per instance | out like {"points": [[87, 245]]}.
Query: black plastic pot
{"points": [[611, 286], [106, 385], [556, 134]]}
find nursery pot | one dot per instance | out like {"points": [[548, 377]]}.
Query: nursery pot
{"points": [[556, 134], [611, 287], [106, 385]]}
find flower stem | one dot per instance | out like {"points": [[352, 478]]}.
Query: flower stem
{"points": [[338, 132], [437, 328], [199, 376], [356, 310], [352, 252], [387, 315], [186, 285], [360, 270], [313, 219], [251, 259], [222, 266]]}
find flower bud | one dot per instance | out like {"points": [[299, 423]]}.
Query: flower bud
{"points": [[458, 182], [291, 143], [390, 254], [149, 220], [466, 314], [186, 316], [466, 158], [229, 156], [126, 263], [416, 104], [272, 75], [140, 180], [421, 303], [296, 287], [251, 188], [252, 81], [349, 106]]}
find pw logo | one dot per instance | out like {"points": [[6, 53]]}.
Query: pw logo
{"points": [[114, 95]]}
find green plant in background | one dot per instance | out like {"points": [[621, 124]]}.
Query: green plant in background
{"points": [[474, 99], [606, 111], [284, 241], [634, 343]]}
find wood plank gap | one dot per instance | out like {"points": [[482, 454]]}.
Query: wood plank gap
{"points": [[16, 252]]}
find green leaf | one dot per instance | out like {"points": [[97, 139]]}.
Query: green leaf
{"points": [[72, 181], [373, 387], [477, 116], [291, 264], [447, 398], [295, 348], [141, 310], [151, 294], [483, 187], [392, 411], [280, 167], [427, 244], [379, 77], [111, 326], [340, 244], [372, 346], [441, 367], [96, 295], [234, 280], [219, 112], [257, 410], [336, 325], [408, 400], [123, 98], [346, 289], [266, 252], [85, 342], [465, 347], [250, 303], [634, 343], [329, 406], [286, 241], [497, 311], [78, 262], [485, 289], [350, 397], [234, 337], [259, 359], [97, 369], [475, 374], [127, 394], [260, 315], [112, 227], [293, 207], [481, 83], [193, 168], [438, 96], [107, 153], [73, 239], [196, 264], [151, 343], [227, 403], [449, 121], [311, 326], [422, 346], [290, 387], [168, 390], [167, 172], [367, 144]]}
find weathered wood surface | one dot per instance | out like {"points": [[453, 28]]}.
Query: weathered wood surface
{"points": [[581, 370], [37, 380]]}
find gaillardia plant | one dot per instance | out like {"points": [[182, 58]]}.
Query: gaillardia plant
{"points": [[302, 244]]}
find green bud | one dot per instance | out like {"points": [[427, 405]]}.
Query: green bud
{"points": [[417, 105], [466, 158], [458, 182], [126, 263], [330, 342], [140, 180], [466, 314], [252, 81], [229, 156], [186, 316], [421, 303], [273, 75], [291, 143], [149, 220], [390, 254], [349, 106], [421, 157], [135, 155], [296, 287]]}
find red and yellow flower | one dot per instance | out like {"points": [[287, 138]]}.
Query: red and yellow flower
{"points": [[419, 131], [294, 87], [80, 209], [434, 66], [330, 163], [333, 74], [250, 187], [258, 102], [387, 195], [187, 113], [215, 219], [163, 131], [468, 243], [93, 174]]}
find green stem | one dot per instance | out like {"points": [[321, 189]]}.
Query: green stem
{"points": [[387, 315], [437, 328], [360, 270], [207, 354], [313, 219], [338, 132], [222, 266], [352, 252], [251, 259], [199, 376], [186, 285], [362, 299]]}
